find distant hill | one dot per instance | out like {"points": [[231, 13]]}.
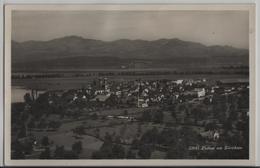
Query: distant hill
{"points": [[74, 52]]}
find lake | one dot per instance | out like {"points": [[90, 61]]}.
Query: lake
{"points": [[18, 92]]}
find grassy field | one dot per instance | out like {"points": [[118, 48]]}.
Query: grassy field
{"points": [[91, 142]]}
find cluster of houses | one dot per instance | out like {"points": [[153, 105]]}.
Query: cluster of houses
{"points": [[144, 93]]}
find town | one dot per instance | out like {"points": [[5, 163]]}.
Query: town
{"points": [[133, 119]]}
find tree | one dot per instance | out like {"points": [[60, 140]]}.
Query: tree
{"points": [[150, 136], [206, 101], [54, 124], [28, 147], [158, 117], [181, 107], [108, 137], [168, 137], [59, 152], [187, 112], [27, 98], [45, 154], [80, 130], [118, 151], [198, 113], [189, 136], [146, 116], [94, 116], [77, 147], [243, 99], [22, 132], [70, 155], [42, 124], [145, 151], [125, 112], [112, 100], [219, 107], [210, 126], [45, 141], [31, 124], [123, 129], [117, 139], [97, 132], [130, 154], [173, 112], [109, 151], [135, 144], [139, 129], [41, 105], [232, 115], [228, 125], [177, 151], [18, 150]]}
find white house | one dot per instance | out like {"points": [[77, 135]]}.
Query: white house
{"points": [[142, 103], [200, 92], [179, 81], [216, 136]]}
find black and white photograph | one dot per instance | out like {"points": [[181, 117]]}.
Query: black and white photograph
{"points": [[137, 83]]}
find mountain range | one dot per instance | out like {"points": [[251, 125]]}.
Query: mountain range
{"points": [[77, 52]]}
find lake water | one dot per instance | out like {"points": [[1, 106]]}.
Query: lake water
{"points": [[18, 92]]}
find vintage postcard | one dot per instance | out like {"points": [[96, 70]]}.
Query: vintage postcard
{"points": [[129, 85]]}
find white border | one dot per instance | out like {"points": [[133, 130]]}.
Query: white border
{"points": [[151, 1], [1, 83], [257, 85]]}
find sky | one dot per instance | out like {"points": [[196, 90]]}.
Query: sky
{"points": [[207, 27]]}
